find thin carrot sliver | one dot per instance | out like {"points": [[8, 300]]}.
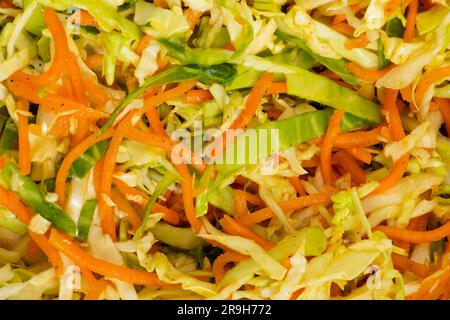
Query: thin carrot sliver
{"points": [[278, 88], [394, 176], [96, 287], [344, 28], [428, 79], [334, 128], [24, 140], [297, 184], [123, 205], [394, 120], [144, 43], [198, 96], [83, 18], [221, 262], [287, 206], [240, 204], [411, 21], [142, 199], [350, 165], [416, 236], [68, 160], [359, 42], [368, 74], [85, 260], [58, 63], [192, 17], [360, 154], [232, 227]]}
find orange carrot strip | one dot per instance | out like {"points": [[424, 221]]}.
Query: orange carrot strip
{"points": [[359, 42], [221, 262], [286, 206], [123, 205], [24, 140], [96, 287], [240, 204], [142, 199], [253, 102], [161, 3], [7, 4], [68, 160], [416, 236], [350, 165], [83, 18], [435, 285], [12, 202], [95, 61], [297, 184], [95, 94], [360, 154], [50, 252], [358, 139], [394, 120], [198, 96], [404, 264], [428, 79], [232, 227], [109, 270], [395, 175], [246, 115], [368, 74], [144, 43], [192, 17], [105, 211], [411, 21], [32, 250], [334, 128], [344, 28], [52, 102], [58, 63], [278, 88]]}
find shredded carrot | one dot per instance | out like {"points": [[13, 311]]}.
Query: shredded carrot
{"points": [[83, 18], [96, 287], [123, 205], [287, 206], [198, 96], [331, 75], [416, 236], [360, 154], [395, 175], [427, 80], [240, 204], [391, 6], [80, 94], [360, 42], [368, 74], [444, 106], [105, 211], [253, 102], [278, 88], [221, 262], [68, 160], [12, 202], [24, 140], [434, 285], [344, 28], [142, 199], [59, 60], [95, 93], [411, 21], [406, 93], [52, 254], [192, 17], [83, 259], [334, 128], [144, 43], [404, 264], [350, 165], [297, 184], [95, 61], [394, 120], [233, 227], [53, 103], [32, 250], [357, 139]]}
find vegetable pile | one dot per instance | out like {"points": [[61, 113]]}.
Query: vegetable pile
{"points": [[135, 159]]}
